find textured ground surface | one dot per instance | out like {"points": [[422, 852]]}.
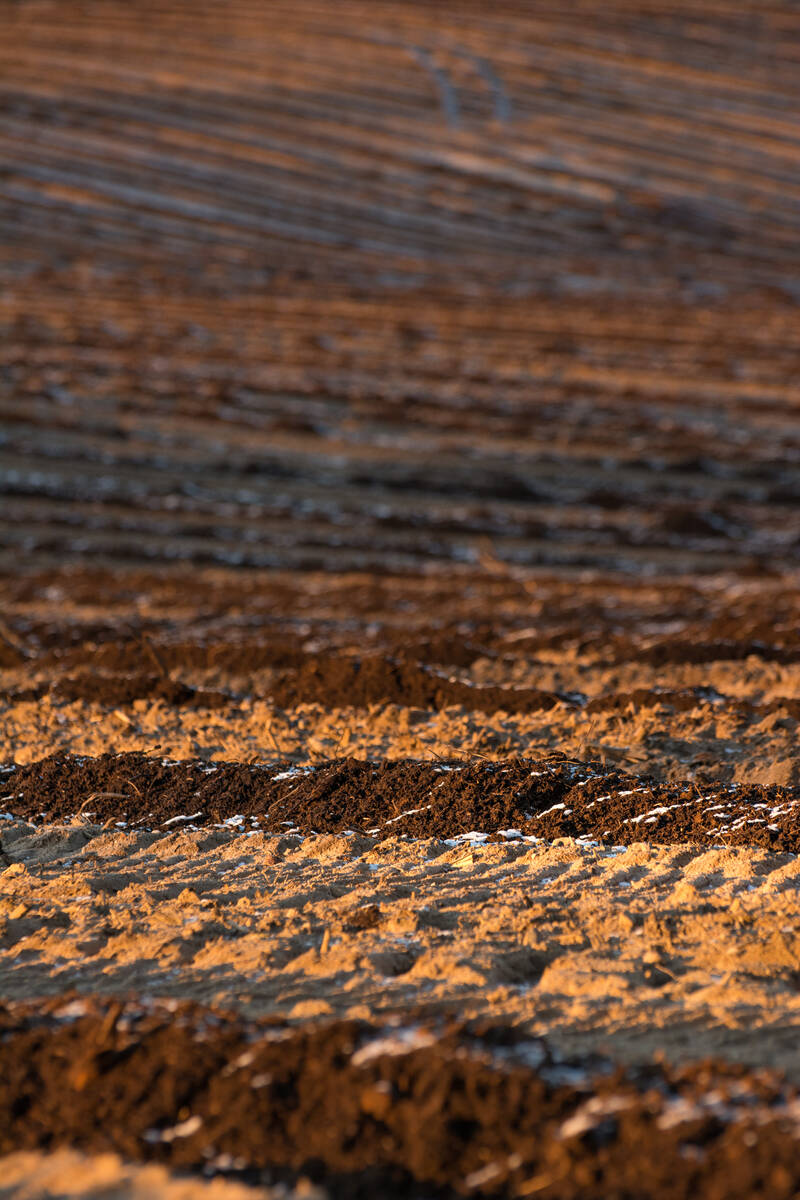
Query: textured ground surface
{"points": [[629, 950], [68, 1175], [399, 618], [285, 286]]}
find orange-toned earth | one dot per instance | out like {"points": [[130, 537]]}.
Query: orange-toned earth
{"points": [[399, 562]]}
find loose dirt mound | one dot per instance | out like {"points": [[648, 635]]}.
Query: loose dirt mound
{"points": [[334, 681], [325, 678], [405, 1110], [124, 689], [544, 798], [115, 690]]}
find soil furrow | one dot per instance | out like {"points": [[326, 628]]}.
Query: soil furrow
{"points": [[539, 798], [399, 606]]}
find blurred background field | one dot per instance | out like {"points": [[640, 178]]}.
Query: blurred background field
{"points": [[373, 286]]}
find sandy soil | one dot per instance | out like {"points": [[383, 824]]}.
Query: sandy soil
{"points": [[706, 742], [630, 950], [67, 1175]]}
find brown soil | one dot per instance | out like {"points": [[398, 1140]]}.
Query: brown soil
{"points": [[251, 621], [334, 681], [330, 680], [398, 433], [544, 798], [409, 1110], [238, 658], [114, 690]]}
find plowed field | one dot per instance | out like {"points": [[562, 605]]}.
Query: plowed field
{"points": [[399, 610]]}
